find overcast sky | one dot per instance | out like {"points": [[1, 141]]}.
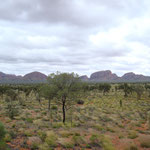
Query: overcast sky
{"points": [[81, 36]]}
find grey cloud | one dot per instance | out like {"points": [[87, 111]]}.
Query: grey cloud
{"points": [[81, 13], [51, 35]]}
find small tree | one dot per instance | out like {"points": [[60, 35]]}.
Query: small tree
{"points": [[3, 90], [105, 88], [147, 87], [12, 104], [67, 87], [126, 88], [48, 92], [139, 89], [27, 91]]}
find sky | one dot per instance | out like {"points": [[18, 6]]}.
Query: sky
{"points": [[81, 36]]}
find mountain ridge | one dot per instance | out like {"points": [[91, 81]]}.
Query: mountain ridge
{"points": [[99, 76], [33, 77], [108, 76]]}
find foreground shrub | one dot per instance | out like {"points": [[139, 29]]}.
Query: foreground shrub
{"points": [[51, 139], [2, 131], [95, 140], [44, 146], [106, 143], [78, 140], [7, 138], [54, 107], [12, 108], [131, 146], [132, 135], [57, 125], [3, 145], [99, 127], [145, 141], [65, 134], [81, 102], [42, 135], [2, 136], [34, 142], [66, 143], [29, 120]]}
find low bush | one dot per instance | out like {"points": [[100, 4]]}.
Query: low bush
{"points": [[106, 143], [57, 125], [132, 135], [51, 139], [131, 147], [65, 134], [2, 136], [29, 120], [2, 131], [7, 138], [78, 140], [95, 140], [81, 102], [145, 141], [54, 107]]}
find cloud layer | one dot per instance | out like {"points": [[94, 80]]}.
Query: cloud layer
{"points": [[71, 35]]}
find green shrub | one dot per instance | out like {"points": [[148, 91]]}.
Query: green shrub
{"points": [[7, 138], [99, 127], [2, 145], [132, 135], [27, 133], [29, 120], [2, 136], [131, 147], [145, 141], [13, 134], [42, 135], [44, 113], [110, 129], [81, 102], [78, 140], [34, 146], [44, 146], [57, 125], [54, 107], [66, 143], [106, 143], [88, 146], [51, 139], [121, 136], [95, 139], [2, 131], [12, 108], [66, 134], [77, 134]]}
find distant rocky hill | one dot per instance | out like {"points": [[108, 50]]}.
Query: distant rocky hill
{"points": [[33, 77], [108, 76], [100, 76], [103, 76], [84, 78], [129, 77]]}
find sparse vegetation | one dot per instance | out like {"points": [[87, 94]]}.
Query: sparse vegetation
{"points": [[145, 141], [69, 114]]}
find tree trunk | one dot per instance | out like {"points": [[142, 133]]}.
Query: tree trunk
{"points": [[64, 113], [49, 105]]}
